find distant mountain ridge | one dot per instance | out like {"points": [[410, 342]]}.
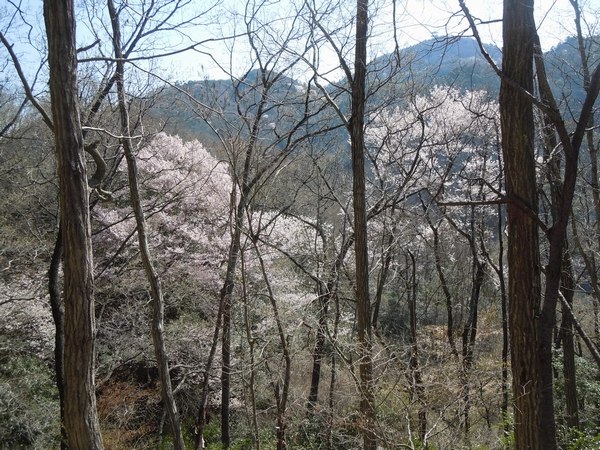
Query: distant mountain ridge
{"points": [[438, 61], [455, 62]]}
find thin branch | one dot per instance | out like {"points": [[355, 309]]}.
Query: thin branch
{"points": [[26, 86], [498, 201], [158, 55], [105, 131], [588, 341], [545, 108]]}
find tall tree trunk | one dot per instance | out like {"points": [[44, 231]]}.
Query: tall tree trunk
{"points": [[567, 283], [386, 260], [469, 334], [597, 323], [498, 267], [156, 294], [238, 207], [318, 350], [365, 344], [563, 195], [444, 285], [568, 345], [594, 178], [504, 311], [226, 301], [251, 344], [416, 377], [524, 284], [333, 376], [201, 419], [226, 294], [80, 417]]}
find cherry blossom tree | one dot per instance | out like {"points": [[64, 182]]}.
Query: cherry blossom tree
{"points": [[185, 195], [442, 148]]}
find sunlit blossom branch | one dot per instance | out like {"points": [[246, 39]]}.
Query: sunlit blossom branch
{"points": [[498, 201], [105, 131]]}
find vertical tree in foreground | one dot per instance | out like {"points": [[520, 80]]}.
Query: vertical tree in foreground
{"points": [[363, 309], [524, 284], [532, 316], [81, 421]]}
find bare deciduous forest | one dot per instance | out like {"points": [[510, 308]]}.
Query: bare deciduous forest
{"points": [[332, 238]]}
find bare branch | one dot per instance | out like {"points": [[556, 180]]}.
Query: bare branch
{"points": [[588, 341], [25, 83]]}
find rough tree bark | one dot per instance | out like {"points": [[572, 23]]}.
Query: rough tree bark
{"points": [[524, 284], [356, 128], [520, 39], [80, 417]]}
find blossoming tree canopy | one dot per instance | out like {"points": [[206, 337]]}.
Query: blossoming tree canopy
{"points": [[185, 194], [446, 139]]}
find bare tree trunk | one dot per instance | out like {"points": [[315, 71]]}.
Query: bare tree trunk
{"points": [[468, 340], [232, 259], [567, 283], [597, 323], [566, 332], [558, 233], [499, 269], [563, 194], [444, 284], [201, 419], [524, 284], [80, 417], [251, 344], [226, 292], [593, 151], [318, 350], [140, 219], [416, 378], [469, 333], [386, 260], [504, 312], [367, 389], [333, 376], [593, 348]]}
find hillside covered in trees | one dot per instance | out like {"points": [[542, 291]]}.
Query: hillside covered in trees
{"points": [[342, 242]]}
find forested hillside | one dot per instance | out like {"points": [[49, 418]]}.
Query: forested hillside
{"points": [[343, 241]]}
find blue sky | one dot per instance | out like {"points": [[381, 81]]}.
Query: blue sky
{"points": [[417, 20]]}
